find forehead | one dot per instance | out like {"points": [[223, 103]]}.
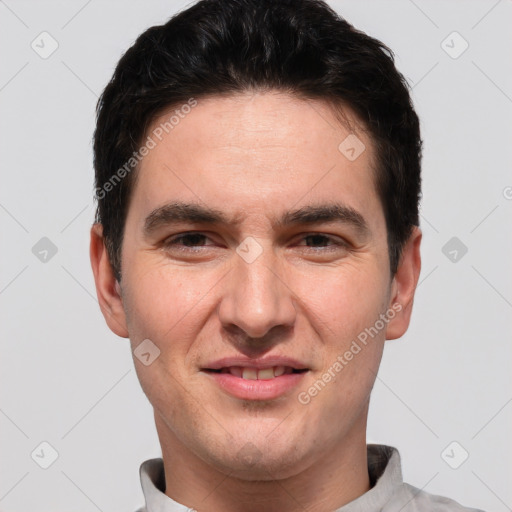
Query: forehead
{"points": [[258, 153]]}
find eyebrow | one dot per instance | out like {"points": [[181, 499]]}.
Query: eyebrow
{"points": [[324, 213], [176, 212]]}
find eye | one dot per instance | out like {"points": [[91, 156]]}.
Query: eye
{"points": [[186, 241], [319, 240]]}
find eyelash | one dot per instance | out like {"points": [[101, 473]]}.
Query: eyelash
{"points": [[174, 241]]}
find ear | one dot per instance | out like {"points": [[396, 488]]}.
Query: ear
{"points": [[108, 289], [404, 285]]}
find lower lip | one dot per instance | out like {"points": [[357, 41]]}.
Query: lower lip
{"points": [[247, 389]]}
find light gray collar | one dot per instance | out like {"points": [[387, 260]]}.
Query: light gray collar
{"points": [[383, 467]]}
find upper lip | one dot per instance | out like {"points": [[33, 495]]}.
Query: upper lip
{"points": [[260, 363]]}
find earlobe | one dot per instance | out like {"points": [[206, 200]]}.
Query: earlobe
{"points": [[108, 289], [404, 285]]}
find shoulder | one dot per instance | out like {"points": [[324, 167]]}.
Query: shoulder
{"points": [[412, 499], [384, 467]]}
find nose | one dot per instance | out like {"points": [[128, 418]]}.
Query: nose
{"points": [[257, 297]]}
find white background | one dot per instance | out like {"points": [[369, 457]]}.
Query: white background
{"points": [[66, 379]]}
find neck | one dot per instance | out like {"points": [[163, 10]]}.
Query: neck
{"points": [[333, 479]]}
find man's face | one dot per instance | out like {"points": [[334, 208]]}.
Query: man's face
{"points": [[267, 289]]}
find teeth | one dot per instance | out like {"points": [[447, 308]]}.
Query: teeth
{"points": [[266, 374], [255, 374], [279, 370], [250, 374], [236, 371]]}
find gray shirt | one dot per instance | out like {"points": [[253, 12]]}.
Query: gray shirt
{"points": [[388, 491]]}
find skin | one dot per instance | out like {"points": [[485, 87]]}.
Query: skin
{"points": [[256, 156]]}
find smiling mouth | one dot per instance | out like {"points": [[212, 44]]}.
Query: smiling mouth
{"points": [[249, 373]]}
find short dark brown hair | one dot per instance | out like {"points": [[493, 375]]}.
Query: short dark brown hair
{"points": [[222, 47]]}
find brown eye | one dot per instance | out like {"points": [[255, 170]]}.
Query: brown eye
{"points": [[188, 240], [319, 240], [191, 242]]}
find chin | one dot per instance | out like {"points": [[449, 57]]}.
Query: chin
{"points": [[258, 459]]}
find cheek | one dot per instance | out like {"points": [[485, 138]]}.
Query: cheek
{"points": [[341, 390], [344, 308], [344, 301], [165, 307], [160, 303]]}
